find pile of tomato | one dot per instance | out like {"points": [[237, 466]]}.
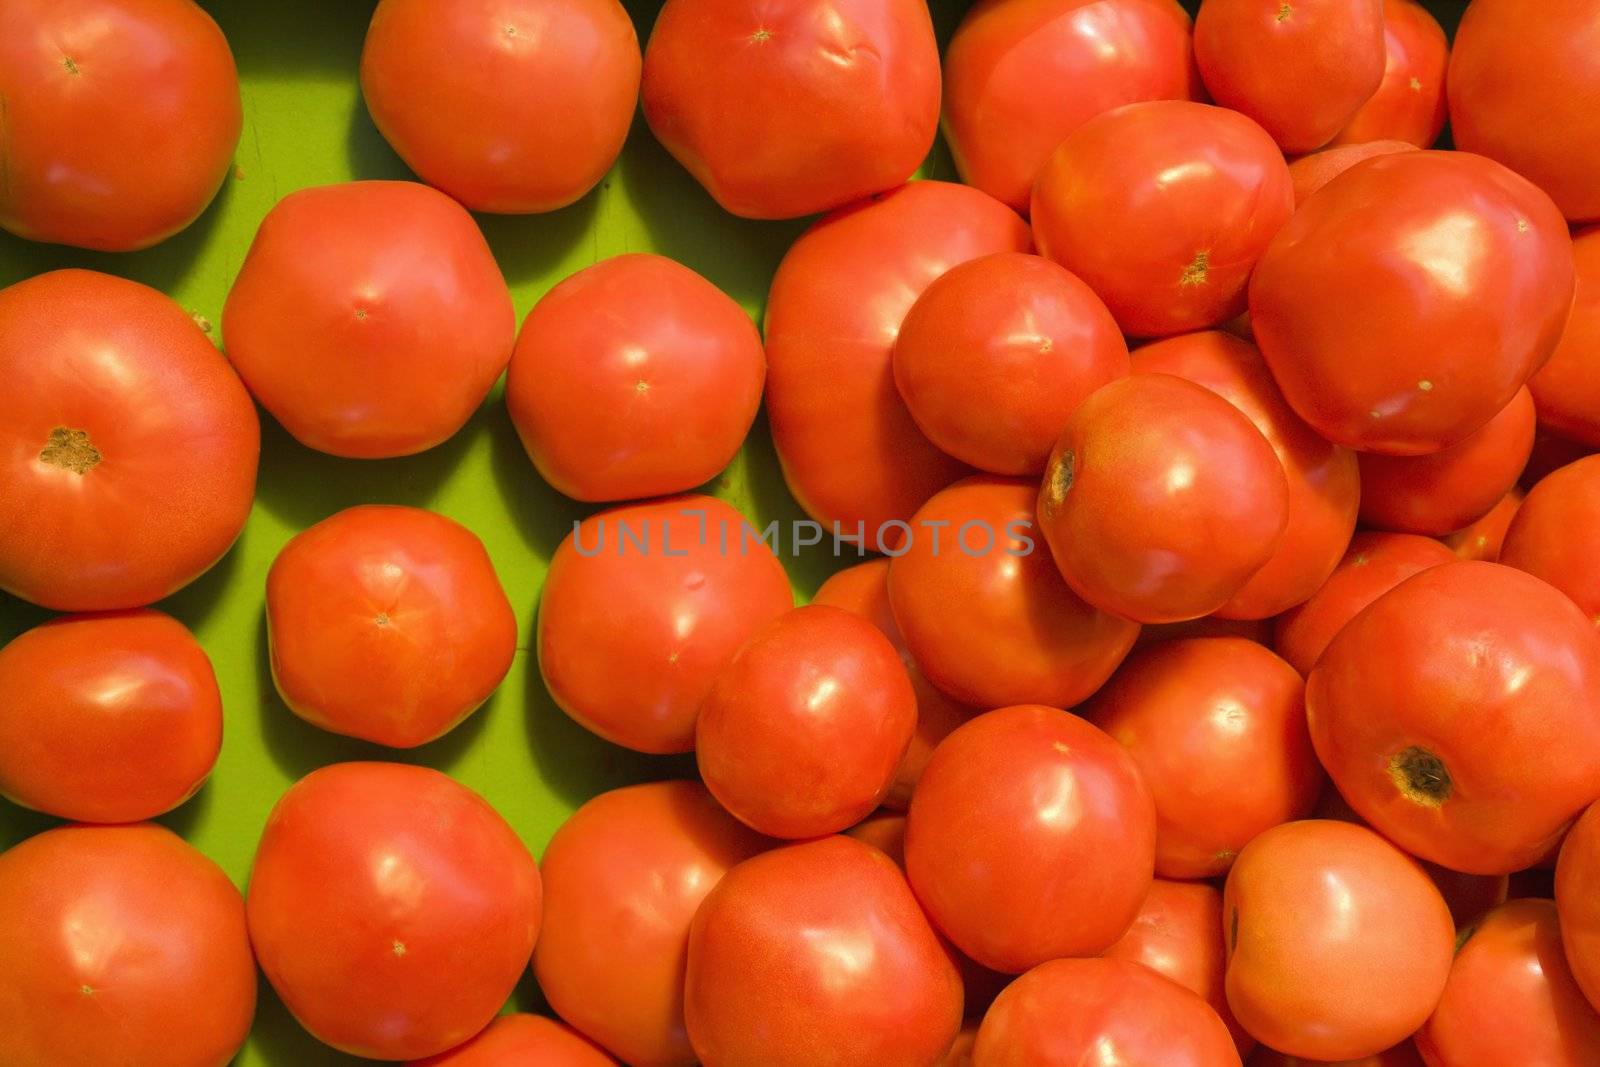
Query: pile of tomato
{"points": [[1223, 683]]}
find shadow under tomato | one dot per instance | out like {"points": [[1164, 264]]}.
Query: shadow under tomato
{"points": [[294, 37], [280, 1041], [543, 516], [194, 604]]}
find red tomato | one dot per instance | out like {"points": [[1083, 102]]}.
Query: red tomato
{"points": [[622, 878], [1257, 630], [1577, 875], [1195, 191], [1315, 911], [122, 120], [1556, 534], [120, 945], [1437, 709], [1567, 389], [519, 1040], [102, 509], [1161, 500], [391, 908], [641, 607], [1031, 836], [884, 831], [107, 718], [387, 623], [1483, 539], [995, 355], [1407, 302], [1402, 1055], [1311, 172], [851, 453], [1020, 77], [787, 109], [816, 955], [1020, 635], [369, 318], [1100, 1013], [1409, 104], [1324, 485], [508, 106]]}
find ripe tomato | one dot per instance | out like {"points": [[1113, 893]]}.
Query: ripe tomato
{"points": [[1021, 635], [1030, 836], [1018, 78], [816, 955], [1314, 912], [1483, 539], [1401, 1055], [1408, 301], [1437, 709], [387, 623], [1161, 500], [783, 110], [391, 908], [1556, 533], [1567, 389], [1196, 193], [518, 1040], [1311, 172], [102, 510], [369, 318], [107, 718], [1409, 104], [122, 120], [510, 107], [120, 944], [622, 878], [1577, 875], [641, 607]]}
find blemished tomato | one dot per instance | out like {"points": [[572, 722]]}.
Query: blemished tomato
{"points": [[120, 944], [1311, 172], [1161, 500], [642, 606], [121, 122], [1402, 1055], [1217, 726], [1437, 709], [1577, 876], [1323, 480], [1406, 302], [107, 718], [391, 908], [1031, 836], [1567, 389], [369, 317], [850, 451], [1018, 78], [816, 955], [783, 110], [1485, 538], [1556, 533], [1338, 944], [99, 509], [1409, 105], [519, 1040], [1021, 635], [622, 879], [1302, 68], [509, 107], [387, 623], [1196, 193], [995, 355], [1100, 1013], [673, 361]]}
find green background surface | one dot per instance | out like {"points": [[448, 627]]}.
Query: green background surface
{"points": [[305, 124]]}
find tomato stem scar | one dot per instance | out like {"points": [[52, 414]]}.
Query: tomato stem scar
{"points": [[70, 450]]}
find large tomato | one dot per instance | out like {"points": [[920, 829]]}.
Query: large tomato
{"points": [[1409, 104], [1408, 301], [120, 945], [1577, 893], [391, 908], [521, 1040], [787, 109], [107, 718], [1567, 389], [1556, 533], [387, 623], [1311, 172], [509, 106], [128, 449], [369, 317], [120, 122]]}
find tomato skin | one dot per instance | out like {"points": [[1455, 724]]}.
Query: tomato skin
{"points": [[1484, 539], [1402, 1055], [369, 318], [1161, 500], [1409, 104], [107, 718], [383, 966], [1554, 534], [123, 120], [1311, 172], [161, 497], [1436, 710], [519, 1039], [508, 107], [768, 982], [120, 944], [622, 879], [1345, 290], [1577, 874], [387, 623], [630, 638], [1196, 193], [1006, 869], [852, 86], [1567, 389]]}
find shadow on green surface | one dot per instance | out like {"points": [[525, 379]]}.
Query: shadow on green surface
{"points": [[543, 516], [294, 37], [194, 604]]}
